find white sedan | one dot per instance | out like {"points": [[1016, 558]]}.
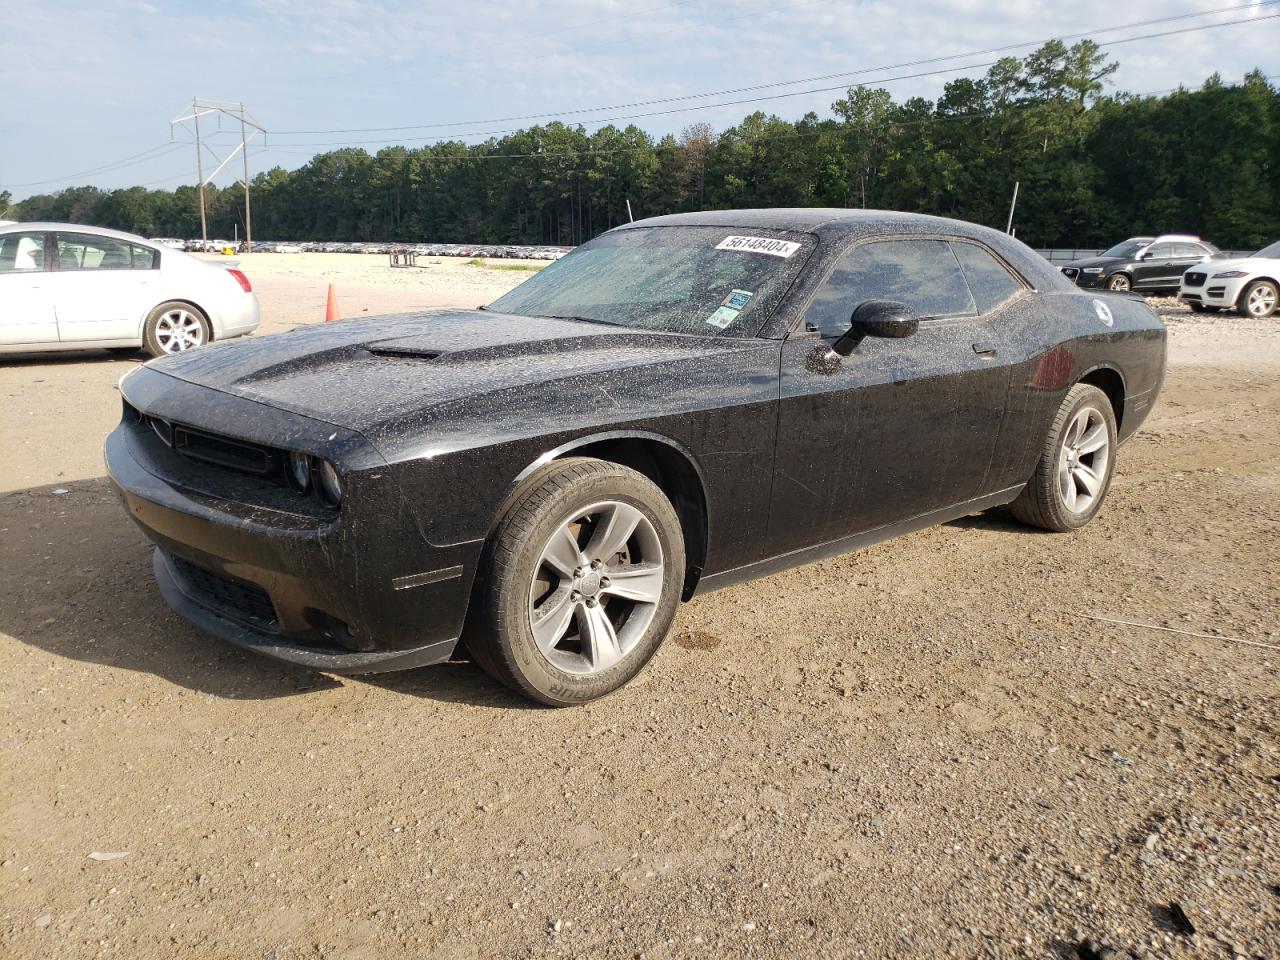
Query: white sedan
{"points": [[69, 287], [1249, 284]]}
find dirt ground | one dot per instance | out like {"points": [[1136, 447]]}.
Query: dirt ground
{"points": [[928, 748]]}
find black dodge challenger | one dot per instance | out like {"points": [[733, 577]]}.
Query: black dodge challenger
{"points": [[682, 403]]}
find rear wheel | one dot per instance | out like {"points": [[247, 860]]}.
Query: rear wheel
{"points": [[1119, 281], [580, 583], [1076, 462], [174, 327], [1259, 299]]}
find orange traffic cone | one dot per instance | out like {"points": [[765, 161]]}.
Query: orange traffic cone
{"points": [[331, 307]]}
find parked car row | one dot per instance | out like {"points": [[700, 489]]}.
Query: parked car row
{"points": [[1185, 266], [487, 251]]}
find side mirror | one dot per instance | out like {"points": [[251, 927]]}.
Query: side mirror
{"points": [[877, 318]]}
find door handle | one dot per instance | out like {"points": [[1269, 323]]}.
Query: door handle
{"points": [[987, 351]]}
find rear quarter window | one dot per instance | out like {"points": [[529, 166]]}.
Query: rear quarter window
{"points": [[990, 281]]}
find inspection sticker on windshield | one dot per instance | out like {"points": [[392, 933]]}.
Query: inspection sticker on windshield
{"points": [[738, 299], [774, 248], [723, 317]]}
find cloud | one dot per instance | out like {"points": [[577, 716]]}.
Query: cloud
{"points": [[324, 64]]}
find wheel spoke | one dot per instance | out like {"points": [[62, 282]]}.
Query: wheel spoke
{"points": [[551, 619], [1091, 482], [562, 554], [642, 582], [1093, 440], [613, 532], [599, 638]]}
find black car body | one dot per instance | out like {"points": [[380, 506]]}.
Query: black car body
{"points": [[1144, 264], [772, 449]]}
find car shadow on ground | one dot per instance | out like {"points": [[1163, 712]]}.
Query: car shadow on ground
{"points": [[121, 355], [78, 584], [997, 520]]}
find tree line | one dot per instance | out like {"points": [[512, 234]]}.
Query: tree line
{"points": [[1093, 167]]}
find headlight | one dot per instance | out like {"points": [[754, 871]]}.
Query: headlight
{"points": [[1230, 275], [329, 485], [1091, 270], [299, 471]]}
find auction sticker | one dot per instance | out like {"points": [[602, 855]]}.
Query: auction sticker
{"points": [[738, 299], [774, 248], [723, 317]]}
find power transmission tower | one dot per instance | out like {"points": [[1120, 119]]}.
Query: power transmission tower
{"points": [[233, 111]]}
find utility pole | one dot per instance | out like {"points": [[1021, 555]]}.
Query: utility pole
{"points": [[1009, 226], [204, 225], [233, 111], [248, 217]]}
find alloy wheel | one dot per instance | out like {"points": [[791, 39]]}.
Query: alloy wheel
{"points": [[1083, 459], [596, 587], [1118, 282], [1262, 300], [179, 330]]}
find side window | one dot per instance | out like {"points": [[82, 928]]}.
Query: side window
{"points": [[991, 282], [924, 274], [22, 253], [84, 251], [144, 258], [1160, 251], [1188, 251]]}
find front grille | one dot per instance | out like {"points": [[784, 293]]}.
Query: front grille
{"points": [[222, 451], [1194, 279], [237, 599], [1070, 272]]}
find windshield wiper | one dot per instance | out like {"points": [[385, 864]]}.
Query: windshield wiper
{"points": [[558, 316]]}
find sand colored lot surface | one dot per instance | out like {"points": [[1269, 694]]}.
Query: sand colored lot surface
{"points": [[924, 749]]}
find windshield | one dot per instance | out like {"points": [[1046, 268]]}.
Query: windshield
{"points": [[705, 280], [1127, 249], [1270, 253]]}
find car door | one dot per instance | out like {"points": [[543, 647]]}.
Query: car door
{"points": [[1155, 268], [26, 304], [900, 427], [102, 287]]}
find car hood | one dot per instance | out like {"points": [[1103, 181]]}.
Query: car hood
{"points": [[1094, 262], [364, 373], [1249, 264]]}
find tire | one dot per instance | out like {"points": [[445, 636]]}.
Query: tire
{"points": [[174, 327], [1119, 281], [1202, 308], [546, 619], [1259, 299], [1062, 473]]}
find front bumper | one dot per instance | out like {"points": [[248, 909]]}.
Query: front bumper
{"points": [[355, 591], [1087, 281], [1223, 294]]}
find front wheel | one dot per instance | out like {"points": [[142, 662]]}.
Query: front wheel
{"points": [[174, 327], [1259, 299], [1076, 462], [1119, 281], [579, 583]]}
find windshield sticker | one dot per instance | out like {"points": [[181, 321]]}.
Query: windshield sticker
{"points": [[774, 248], [723, 317], [737, 299]]}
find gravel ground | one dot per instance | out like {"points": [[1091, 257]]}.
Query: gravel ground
{"points": [[928, 748]]}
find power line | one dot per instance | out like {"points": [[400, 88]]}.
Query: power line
{"points": [[129, 161], [798, 93], [817, 79], [657, 147]]}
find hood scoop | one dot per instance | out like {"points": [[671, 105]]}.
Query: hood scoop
{"points": [[403, 352]]}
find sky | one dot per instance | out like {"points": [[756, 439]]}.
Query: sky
{"points": [[91, 86]]}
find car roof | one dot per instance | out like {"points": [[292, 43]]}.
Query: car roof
{"points": [[840, 225], [73, 228]]}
